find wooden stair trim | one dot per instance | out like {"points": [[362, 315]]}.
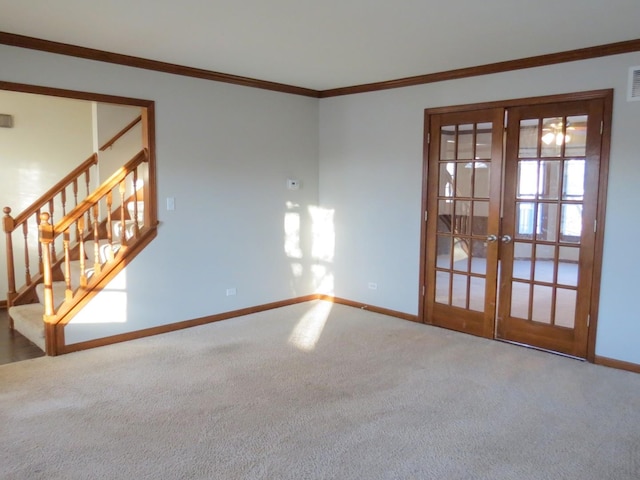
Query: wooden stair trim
{"points": [[101, 191], [121, 133]]}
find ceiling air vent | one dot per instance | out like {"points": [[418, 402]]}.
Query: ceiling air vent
{"points": [[634, 84]]}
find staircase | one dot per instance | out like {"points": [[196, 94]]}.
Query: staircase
{"points": [[78, 254]]}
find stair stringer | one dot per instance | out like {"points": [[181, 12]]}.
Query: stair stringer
{"points": [[55, 324]]}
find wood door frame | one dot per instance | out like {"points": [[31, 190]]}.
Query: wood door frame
{"points": [[606, 96]]}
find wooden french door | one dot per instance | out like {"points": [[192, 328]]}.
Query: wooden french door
{"points": [[511, 221], [463, 210]]}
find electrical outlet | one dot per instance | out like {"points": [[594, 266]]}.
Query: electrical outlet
{"points": [[231, 291], [373, 286]]}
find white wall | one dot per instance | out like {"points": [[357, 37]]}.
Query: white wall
{"points": [[224, 152], [371, 172], [49, 138]]}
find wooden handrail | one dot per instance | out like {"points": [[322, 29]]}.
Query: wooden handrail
{"points": [[117, 136], [53, 191], [101, 191]]}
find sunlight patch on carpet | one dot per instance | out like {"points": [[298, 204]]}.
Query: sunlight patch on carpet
{"points": [[308, 330]]}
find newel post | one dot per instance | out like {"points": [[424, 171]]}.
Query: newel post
{"points": [[46, 239], [9, 225]]}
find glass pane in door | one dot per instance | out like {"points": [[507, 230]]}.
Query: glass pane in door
{"points": [[528, 144], [477, 293], [576, 136], [465, 141], [484, 133], [522, 255], [565, 307], [463, 209], [545, 266], [448, 142], [552, 137]]}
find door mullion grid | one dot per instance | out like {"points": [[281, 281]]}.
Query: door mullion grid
{"points": [[534, 233], [472, 194], [534, 229], [556, 258]]}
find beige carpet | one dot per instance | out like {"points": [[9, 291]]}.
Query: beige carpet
{"points": [[317, 391]]}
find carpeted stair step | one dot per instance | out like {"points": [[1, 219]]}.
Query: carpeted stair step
{"points": [[129, 230], [58, 294], [27, 319], [103, 251]]}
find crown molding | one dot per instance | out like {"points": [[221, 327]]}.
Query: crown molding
{"points": [[137, 62], [32, 43], [499, 67]]}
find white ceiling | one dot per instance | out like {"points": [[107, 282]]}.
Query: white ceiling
{"points": [[324, 44]]}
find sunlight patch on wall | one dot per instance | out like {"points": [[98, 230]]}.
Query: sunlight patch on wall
{"points": [[323, 248], [109, 306], [314, 255], [323, 233], [308, 330], [297, 269], [323, 279], [292, 235]]}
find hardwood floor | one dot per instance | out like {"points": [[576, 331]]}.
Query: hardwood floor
{"points": [[13, 346]]}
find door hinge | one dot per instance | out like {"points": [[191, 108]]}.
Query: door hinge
{"points": [[426, 215], [601, 126], [424, 290], [506, 119], [588, 320], [428, 138], [595, 226]]}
